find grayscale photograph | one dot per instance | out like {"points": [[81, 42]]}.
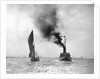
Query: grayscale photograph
{"points": [[50, 39]]}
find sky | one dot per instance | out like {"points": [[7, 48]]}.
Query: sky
{"points": [[76, 22]]}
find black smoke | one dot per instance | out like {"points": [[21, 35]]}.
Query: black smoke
{"points": [[47, 24], [47, 21]]}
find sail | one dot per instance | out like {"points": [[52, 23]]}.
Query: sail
{"points": [[30, 42], [32, 53]]}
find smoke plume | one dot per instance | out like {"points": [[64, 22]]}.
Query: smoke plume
{"points": [[47, 24], [46, 19]]}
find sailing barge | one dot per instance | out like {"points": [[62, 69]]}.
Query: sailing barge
{"points": [[32, 55]]}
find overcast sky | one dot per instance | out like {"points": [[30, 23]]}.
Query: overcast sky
{"points": [[75, 21]]}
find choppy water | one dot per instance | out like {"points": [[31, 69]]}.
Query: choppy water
{"points": [[49, 65]]}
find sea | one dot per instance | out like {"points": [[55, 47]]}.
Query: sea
{"points": [[23, 65]]}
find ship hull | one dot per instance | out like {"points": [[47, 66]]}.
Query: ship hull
{"points": [[65, 57], [35, 59]]}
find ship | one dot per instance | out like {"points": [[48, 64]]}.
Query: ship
{"points": [[65, 56], [32, 55]]}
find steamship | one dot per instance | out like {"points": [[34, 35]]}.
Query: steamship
{"points": [[65, 56]]}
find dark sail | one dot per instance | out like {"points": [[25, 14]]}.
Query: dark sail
{"points": [[30, 42], [32, 47]]}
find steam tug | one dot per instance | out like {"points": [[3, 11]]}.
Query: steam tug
{"points": [[65, 56]]}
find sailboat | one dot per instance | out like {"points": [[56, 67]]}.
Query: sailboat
{"points": [[32, 55]]}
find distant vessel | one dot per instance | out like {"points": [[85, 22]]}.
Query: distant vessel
{"points": [[31, 43]]}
